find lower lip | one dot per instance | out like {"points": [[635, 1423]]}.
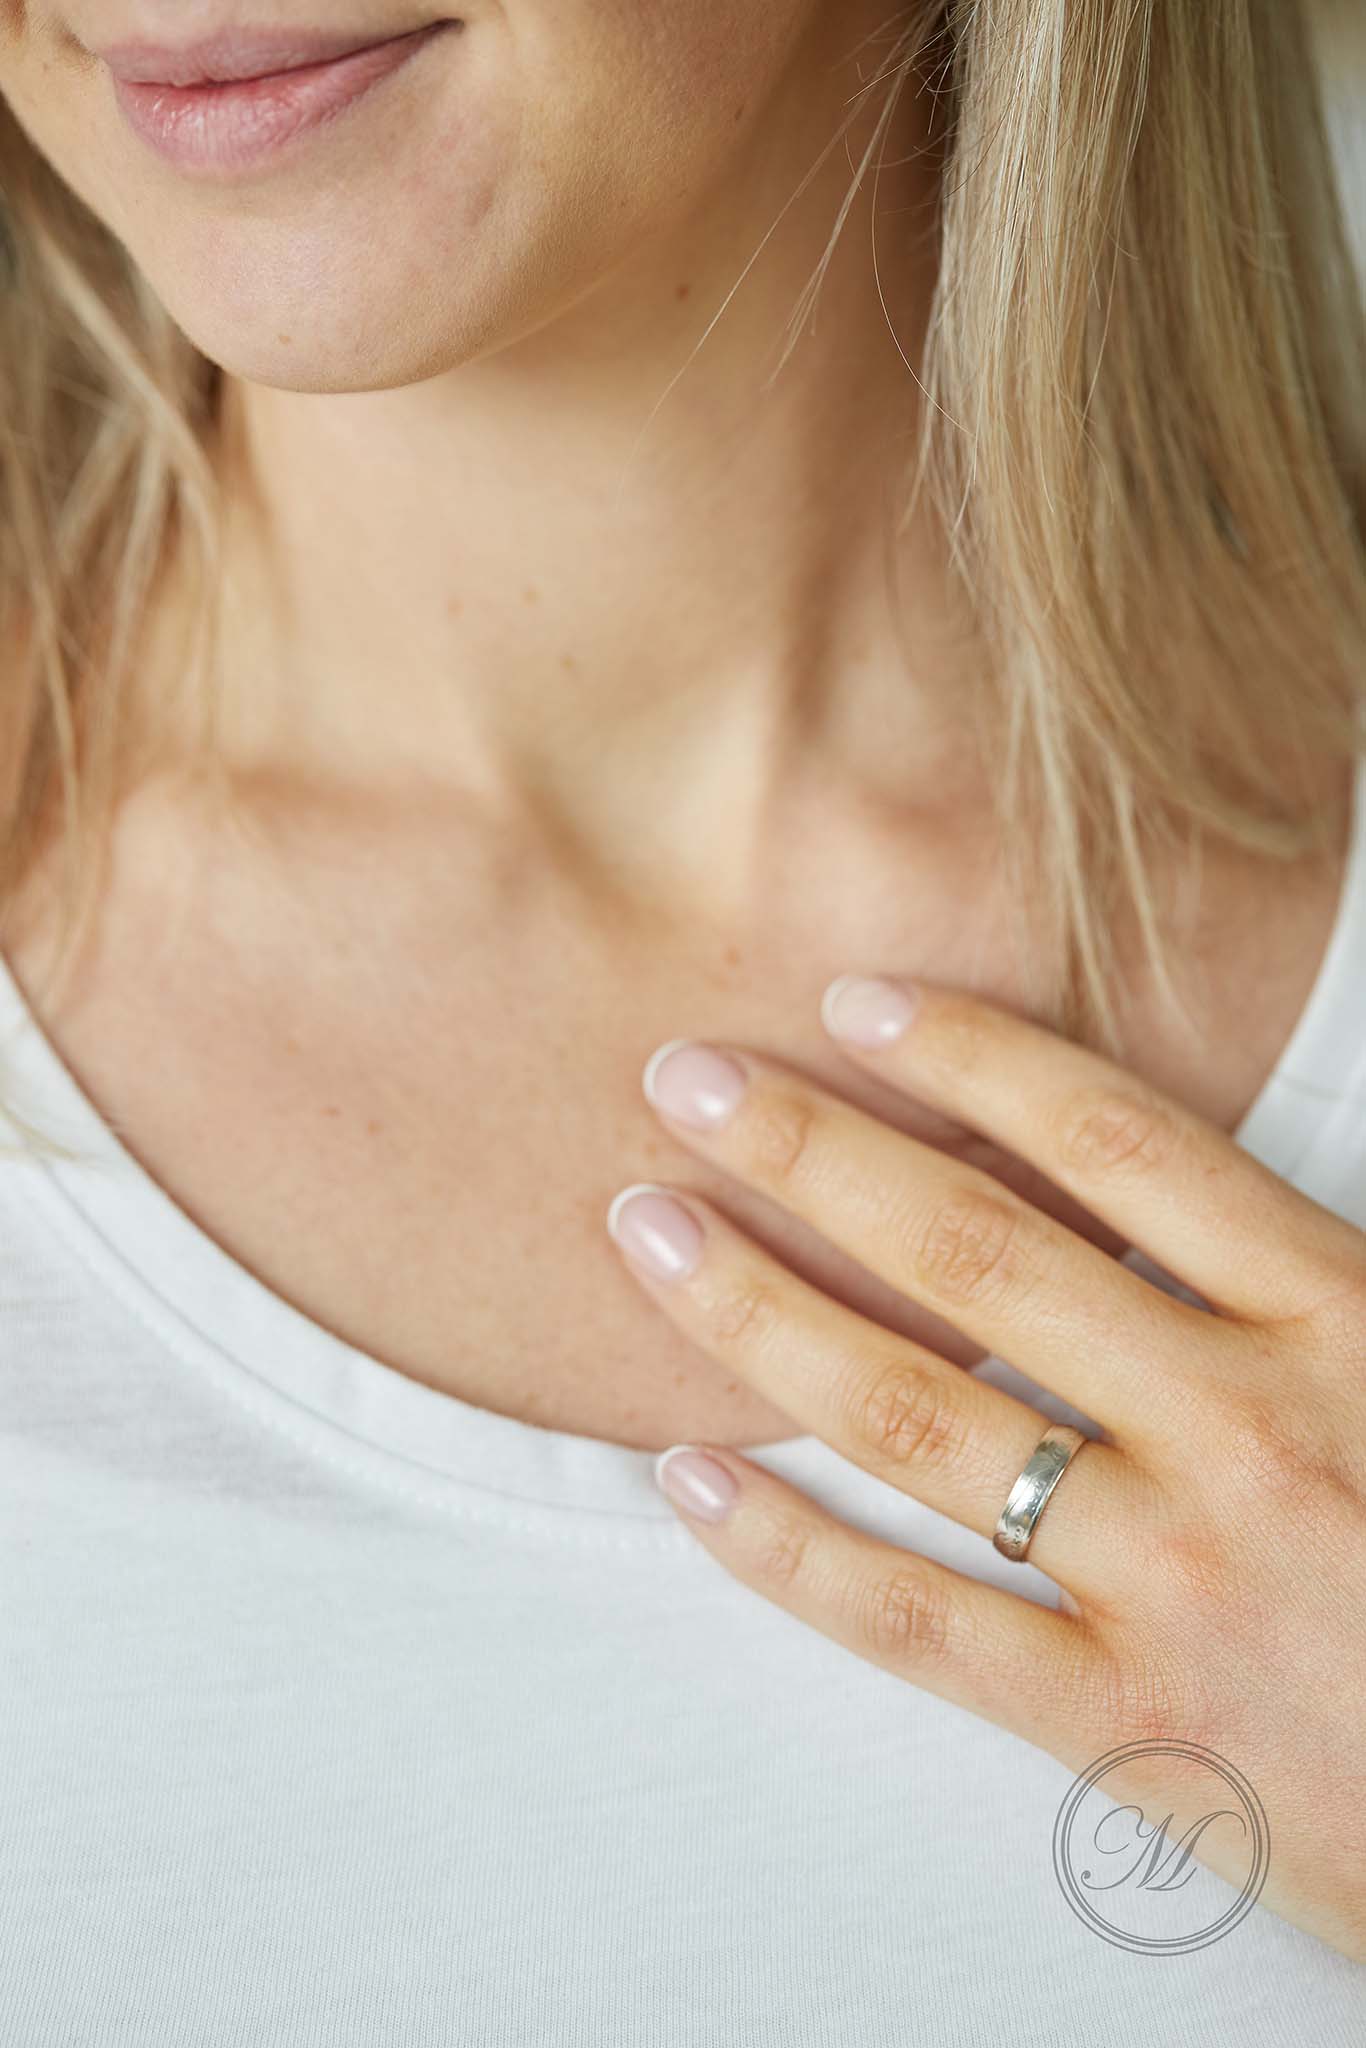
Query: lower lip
{"points": [[234, 127]]}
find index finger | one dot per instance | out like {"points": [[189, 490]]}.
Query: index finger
{"points": [[1179, 1188]]}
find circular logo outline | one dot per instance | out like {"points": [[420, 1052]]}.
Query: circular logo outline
{"points": [[1257, 1821]]}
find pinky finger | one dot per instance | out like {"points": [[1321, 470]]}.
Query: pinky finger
{"points": [[1029, 1668]]}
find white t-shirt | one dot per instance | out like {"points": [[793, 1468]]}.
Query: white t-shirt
{"points": [[338, 1711]]}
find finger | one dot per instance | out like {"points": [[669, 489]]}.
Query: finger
{"points": [[898, 1409], [1025, 1666], [943, 1232], [1169, 1180]]}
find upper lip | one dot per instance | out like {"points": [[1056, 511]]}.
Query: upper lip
{"points": [[234, 53]]}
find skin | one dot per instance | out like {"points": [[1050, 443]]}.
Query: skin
{"points": [[616, 730], [1211, 1549], [560, 199], [565, 706]]}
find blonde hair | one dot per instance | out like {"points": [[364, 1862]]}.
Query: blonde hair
{"points": [[1145, 380]]}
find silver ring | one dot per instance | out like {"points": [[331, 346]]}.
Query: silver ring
{"points": [[1054, 1452]]}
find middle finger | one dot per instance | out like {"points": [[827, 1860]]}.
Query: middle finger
{"points": [[944, 1233], [900, 1410]]}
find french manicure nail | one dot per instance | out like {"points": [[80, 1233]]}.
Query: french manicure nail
{"points": [[694, 1084], [698, 1484], [865, 1012], [653, 1228]]}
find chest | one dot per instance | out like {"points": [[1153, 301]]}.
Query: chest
{"points": [[412, 1133]]}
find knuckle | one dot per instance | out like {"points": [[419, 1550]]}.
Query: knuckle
{"points": [[1195, 1565], [1146, 1695], [904, 1414], [778, 1133], [1338, 1322], [1271, 1452], [969, 1249], [743, 1315], [782, 1551], [1115, 1129], [1258, 1441], [902, 1618]]}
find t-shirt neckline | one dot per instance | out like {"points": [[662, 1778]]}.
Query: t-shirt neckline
{"points": [[347, 1407]]}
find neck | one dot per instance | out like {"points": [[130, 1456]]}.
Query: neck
{"points": [[618, 578]]}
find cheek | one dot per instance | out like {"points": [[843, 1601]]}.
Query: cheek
{"points": [[631, 117], [653, 95]]}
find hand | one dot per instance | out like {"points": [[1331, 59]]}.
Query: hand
{"points": [[1210, 1545]]}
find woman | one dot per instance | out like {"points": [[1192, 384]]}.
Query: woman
{"points": [[526, 536]]}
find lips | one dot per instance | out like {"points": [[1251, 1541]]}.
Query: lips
{"points": [[242, 118], [238, 53]]}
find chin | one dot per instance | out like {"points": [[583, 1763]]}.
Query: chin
{"points": [[305, 312]]}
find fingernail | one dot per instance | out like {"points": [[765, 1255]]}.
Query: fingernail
{"points": [[692, 1083], [866, 1013], [655, 1230], [700, 1485]]}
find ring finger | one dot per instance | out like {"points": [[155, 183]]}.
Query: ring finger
{"points": [[893, 1406]]}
